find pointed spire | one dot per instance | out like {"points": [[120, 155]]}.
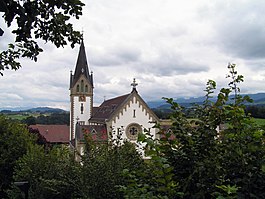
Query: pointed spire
{"points": [[81, 65]]}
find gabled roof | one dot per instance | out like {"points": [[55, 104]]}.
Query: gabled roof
{"points": [[105, 110], [53, 133], [112, 106], [81, 67], [96, 132]]}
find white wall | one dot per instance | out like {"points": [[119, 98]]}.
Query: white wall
{"points": [[77, 110], [142, 117]]}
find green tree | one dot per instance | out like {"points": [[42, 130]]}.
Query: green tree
{"points": [[202, 162], [14, 143], [30, 120], [51, 174], [54, 118], [243, 146], [43, 19], [103, 166]]}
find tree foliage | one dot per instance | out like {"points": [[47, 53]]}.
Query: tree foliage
{"points": [[54, 118], [14, 143], [256, 111], [51, 174], [43, 19], [103, 167], [54, 173], [202, 162]]}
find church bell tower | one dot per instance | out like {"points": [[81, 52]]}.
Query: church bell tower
{"points": [[81, 92]]}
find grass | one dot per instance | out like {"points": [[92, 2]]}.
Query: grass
{"points": [[22, 116], [259, 121], [17, 116]]}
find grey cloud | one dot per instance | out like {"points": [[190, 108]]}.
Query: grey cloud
{"points": [[240, 29], [179, 88], [168, 64], [257, 65], [244, 41], [115, 56]]}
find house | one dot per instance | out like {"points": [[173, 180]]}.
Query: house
{"points": [[54, 134], [127, 115]]}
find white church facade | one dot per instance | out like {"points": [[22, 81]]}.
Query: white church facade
{"points": [[126, 114]]}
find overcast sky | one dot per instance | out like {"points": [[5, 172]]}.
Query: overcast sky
{"points": [[171, 47]]}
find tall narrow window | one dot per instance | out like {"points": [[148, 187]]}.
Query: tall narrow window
{"points": [[86, 89], [134, 114], [82, 108], [77, 88], [82, 85]]}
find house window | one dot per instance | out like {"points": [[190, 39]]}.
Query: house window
{"points": [[86, 89], [82, 108], [77, 88], [134, 115]]}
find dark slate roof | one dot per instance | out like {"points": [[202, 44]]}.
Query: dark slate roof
{"points": [[53, 133], [81, 67], [97, 132], [108, 107], [94, 110]]}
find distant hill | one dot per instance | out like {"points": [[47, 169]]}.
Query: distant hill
{"points": [[33, 110], [15, 108], [259, 99], [46, 110]]}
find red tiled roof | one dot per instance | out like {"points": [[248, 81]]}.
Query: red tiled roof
{"points": [[108, 107], [97, 132], [54, 133]]}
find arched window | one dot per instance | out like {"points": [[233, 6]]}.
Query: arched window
{"points": [[82, 85], [86, 89], [77, 88]]}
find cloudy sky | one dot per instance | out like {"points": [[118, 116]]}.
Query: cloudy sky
{"points": [[171, 47]]}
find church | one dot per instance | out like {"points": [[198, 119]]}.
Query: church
{"points": [[127, 115]]}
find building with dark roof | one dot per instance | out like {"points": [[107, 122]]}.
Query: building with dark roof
{"points": [[127, 114]]}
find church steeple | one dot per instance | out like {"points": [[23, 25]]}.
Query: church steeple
{"points": [[81, 92], [81, 67]]}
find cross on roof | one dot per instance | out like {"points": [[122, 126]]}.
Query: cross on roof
{"points": [[82, 33], [134, 84]]}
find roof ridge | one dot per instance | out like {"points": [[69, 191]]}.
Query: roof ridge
{"points": [[117, 97]]}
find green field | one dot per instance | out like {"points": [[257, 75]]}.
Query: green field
{"points": [[17, 116], [260, 121], [22, 116]]}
